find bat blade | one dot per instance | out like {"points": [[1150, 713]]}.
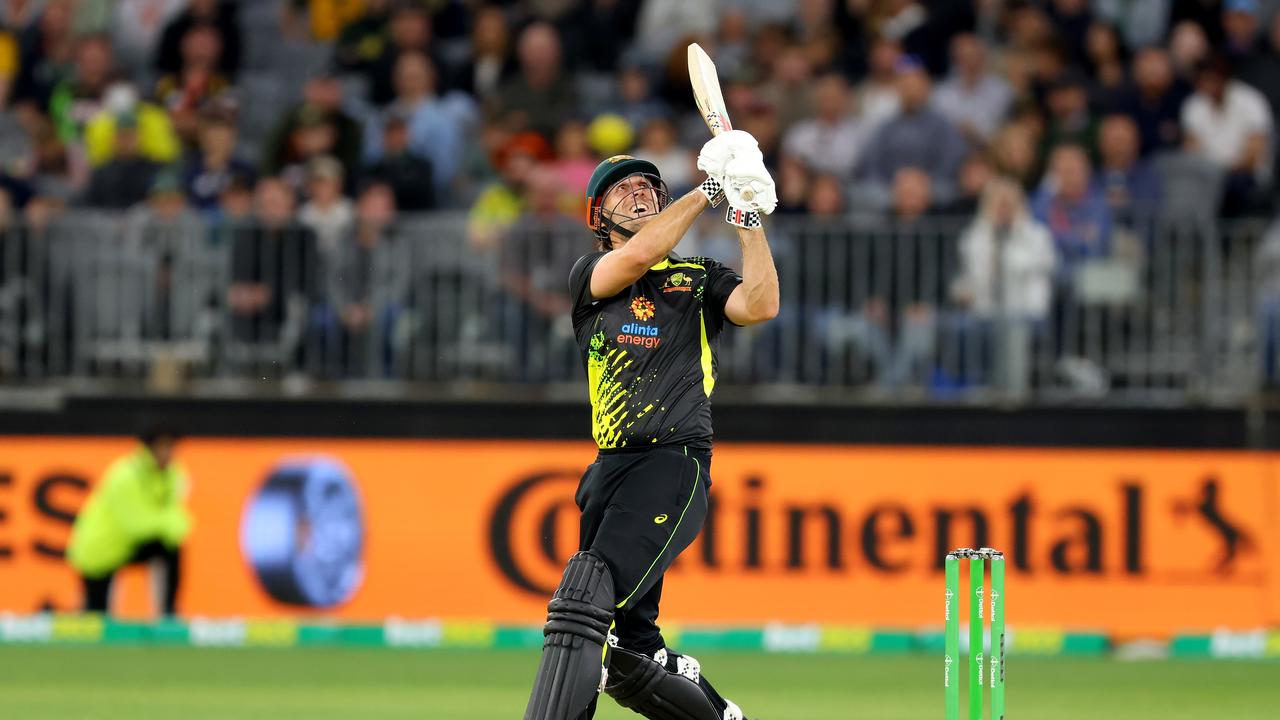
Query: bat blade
{"points": [[706, 90], [705, 82]]}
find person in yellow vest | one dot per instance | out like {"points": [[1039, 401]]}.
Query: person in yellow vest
{"points": [[136, 514]]}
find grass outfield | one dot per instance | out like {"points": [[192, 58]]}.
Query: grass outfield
{"points": [[106, 683]]}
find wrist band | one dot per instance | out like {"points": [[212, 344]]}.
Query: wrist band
{"points": [[713, 190], [742, 218]]}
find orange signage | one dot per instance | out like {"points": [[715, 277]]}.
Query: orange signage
{"points": [[1129, 542]]}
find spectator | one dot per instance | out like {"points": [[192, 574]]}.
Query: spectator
{"points": [[541, 95], [275, 270], [1266, 268], [47, 50], [1144, 23], [834, 141], [1188, 48], [896, 323], [368, 287], [1070, 120], [878, 93], [501, 202], [662, 23], [295, 138], [8, 63], [491, 62], [434, 132], [636, 103], [768, 44], [163, 229], [23, 277], [924, 29], [136, 28], [1071, 20], [327, 213], [408, 174], [1107, 60], [363, 41], [137, 513], [534, 256], [974, 99], [58, 172], [1007, 258], [790, 86], [213, 167], [324, 18], [825, 197], [1230, 124], [1130, 186], [912, 195], [222, 17], [1155, 102], [733, 40], [198, 84], [1241, 26], [79, 97], [1203, 14], [1004, 285], [594, 31], [795, 186], [125, 179], [761, 119], [976, 173], [21, 14], [676, 164], [409, 33], [16, 147], [235, 202], [919, 137], [1262, 70], [314, 135], [157, 140], [574, 163], [1075, 211]]}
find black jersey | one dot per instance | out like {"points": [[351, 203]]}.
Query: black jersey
{"points": [[650, 351]]}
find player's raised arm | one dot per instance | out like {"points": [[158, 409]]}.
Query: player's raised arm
{"points": [[623, 265], [756, 299], [750, 191]]}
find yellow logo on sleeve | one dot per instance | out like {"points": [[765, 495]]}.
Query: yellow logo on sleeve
{"points": [[660, 519]]}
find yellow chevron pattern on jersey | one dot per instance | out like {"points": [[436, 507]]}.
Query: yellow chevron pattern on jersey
{"points": [[608, 396]]}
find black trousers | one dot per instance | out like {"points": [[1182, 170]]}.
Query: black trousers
{"points": [[640, 509], [97, 591]]}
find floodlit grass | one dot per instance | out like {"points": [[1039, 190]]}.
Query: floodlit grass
{"points": [[106, 683]]}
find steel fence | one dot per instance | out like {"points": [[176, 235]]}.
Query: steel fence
{"points": [[1176, 311]]}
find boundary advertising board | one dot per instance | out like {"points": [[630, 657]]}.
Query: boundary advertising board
{"points": [[1129, 542]]}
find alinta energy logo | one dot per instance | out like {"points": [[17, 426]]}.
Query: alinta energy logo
{"points": [[639, 333], [642, 308]]}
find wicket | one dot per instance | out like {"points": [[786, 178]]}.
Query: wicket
{"points": [[995, 663]]}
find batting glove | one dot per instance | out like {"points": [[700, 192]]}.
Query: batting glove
{"points": [[719, 150], [748, 185]]}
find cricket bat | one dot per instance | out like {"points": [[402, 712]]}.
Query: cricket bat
{"points": [[706, 94]]}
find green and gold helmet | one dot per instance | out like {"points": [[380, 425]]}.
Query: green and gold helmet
{"points": [[607, 174]]}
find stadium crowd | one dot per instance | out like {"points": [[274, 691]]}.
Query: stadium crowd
{"points": [[1051, 122]]}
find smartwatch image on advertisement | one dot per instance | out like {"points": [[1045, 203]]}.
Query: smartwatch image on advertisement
{"points": [[302, 532]]}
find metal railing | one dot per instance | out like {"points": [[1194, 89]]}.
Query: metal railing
{"points": [[1176, 312]]}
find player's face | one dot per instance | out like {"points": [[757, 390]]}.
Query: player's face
{"points": [[632, 202]]}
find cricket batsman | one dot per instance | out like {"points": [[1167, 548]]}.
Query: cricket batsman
{"points": [[649, 323]]}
